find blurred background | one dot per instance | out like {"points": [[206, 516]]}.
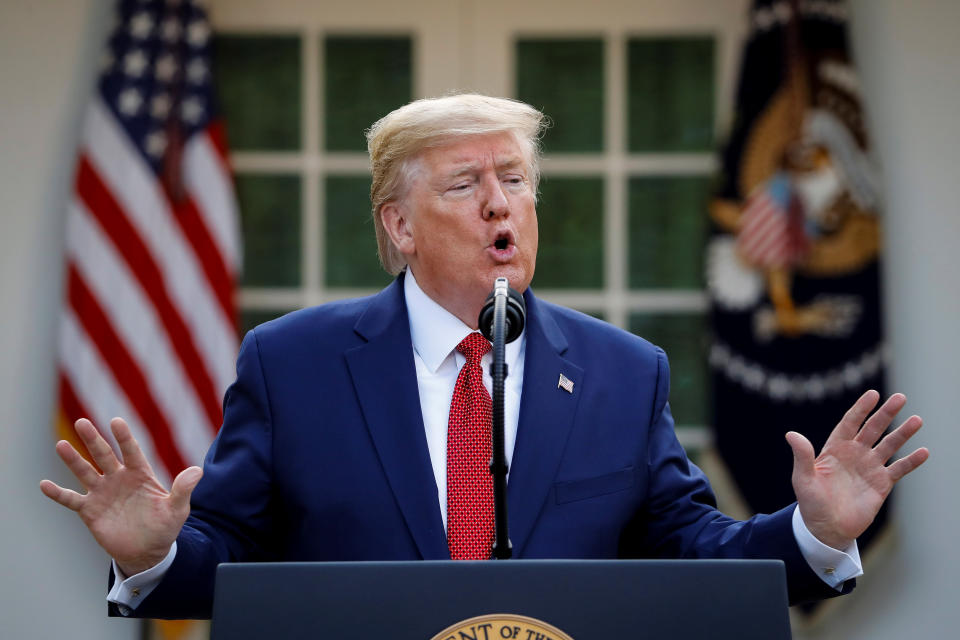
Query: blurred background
{"points": [[643, 95]]}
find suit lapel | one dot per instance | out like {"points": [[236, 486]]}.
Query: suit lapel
{"points": [[385, 378], [546, 417]]}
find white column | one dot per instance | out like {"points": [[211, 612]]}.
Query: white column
{"points": [[908, 54], [53, 577]]}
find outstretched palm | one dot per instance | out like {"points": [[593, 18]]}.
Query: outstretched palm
{"points": [[130, 514], [840, 491]]}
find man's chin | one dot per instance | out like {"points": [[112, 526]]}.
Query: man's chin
{"points": [[517, 275]]}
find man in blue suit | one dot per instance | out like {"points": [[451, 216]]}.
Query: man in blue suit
{"points": [[335, 442]]}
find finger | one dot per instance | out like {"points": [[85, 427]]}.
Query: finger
{"points": [[99, 449], [183, 485], [898, 437], [129, 447], [70, 499], [905, 465], [880, 420], [848, 427], [78, 465], [803, 454]]}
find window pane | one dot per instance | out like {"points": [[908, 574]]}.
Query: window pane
{"points": [[668, 226], [670, 94], [570, 213], [683, 337], [270, 220], [564, 79], [366, 78], [351, 242], [258, 80], [250, 318]]}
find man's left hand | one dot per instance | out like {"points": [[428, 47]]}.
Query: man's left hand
{"points": [[841, 490]]}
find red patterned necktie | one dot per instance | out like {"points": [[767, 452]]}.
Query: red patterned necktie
{"points": [[469, 447]]}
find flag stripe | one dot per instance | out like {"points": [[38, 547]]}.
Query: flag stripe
{"points": [[125, 371], [115, 223], [90, 378], [195, 230], [136, 322], [136, 191], [761, 243], [210, 185], [758, 222], [759, 237]]}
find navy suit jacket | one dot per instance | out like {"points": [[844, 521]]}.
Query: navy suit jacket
{"points": [[323, 456]]}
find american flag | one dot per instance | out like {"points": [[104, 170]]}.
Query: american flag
{"points": [[152, 253]]}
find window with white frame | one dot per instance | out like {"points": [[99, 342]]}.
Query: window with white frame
{"points": [[636, 93]]}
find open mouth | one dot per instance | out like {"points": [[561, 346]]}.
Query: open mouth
{"points": [[503, 248], [503, 240]]}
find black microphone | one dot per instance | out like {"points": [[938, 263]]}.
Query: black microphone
{"points": [[516, 312], [501, 321]]}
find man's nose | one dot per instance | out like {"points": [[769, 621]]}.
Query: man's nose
{"points": [[495, 201]]}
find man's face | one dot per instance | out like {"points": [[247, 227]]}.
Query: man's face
{"points": [[469, 217]]}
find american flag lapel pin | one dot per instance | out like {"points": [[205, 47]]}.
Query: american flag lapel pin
{"points": [[565, 383]]}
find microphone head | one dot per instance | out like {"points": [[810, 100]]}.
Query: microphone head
{"points": [[516, 313]]}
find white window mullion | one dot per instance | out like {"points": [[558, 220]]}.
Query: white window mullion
{"points": [[313, 242], [615, 238]]}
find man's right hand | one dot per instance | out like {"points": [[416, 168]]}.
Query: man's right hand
{"points": [[130, 514]]}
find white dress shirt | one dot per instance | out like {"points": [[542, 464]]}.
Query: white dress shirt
{"points": [[435, 334]]}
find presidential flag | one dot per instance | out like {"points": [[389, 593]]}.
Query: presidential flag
{"points": [[148, 327], [793, 260]]}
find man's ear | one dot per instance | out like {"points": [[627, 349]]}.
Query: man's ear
{"points": [[396, 220]]}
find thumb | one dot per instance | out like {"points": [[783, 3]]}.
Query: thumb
{"points": [[183, 485], [803, 454]]}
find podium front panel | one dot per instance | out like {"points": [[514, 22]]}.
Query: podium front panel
{"points": [[587, 600]]}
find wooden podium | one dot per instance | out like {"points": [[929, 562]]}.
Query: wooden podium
{"points": [[578, 599]]}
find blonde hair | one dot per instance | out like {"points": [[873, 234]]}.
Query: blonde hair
{"points": [[395, 140]]}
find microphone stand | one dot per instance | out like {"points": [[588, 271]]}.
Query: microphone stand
{"points": [[502, 548]]}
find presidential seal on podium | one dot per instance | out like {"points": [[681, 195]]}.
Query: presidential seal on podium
{"points": [[501, 626]]}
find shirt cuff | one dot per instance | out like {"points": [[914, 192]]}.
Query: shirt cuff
{"points": [[833, 566], [128, 593]]}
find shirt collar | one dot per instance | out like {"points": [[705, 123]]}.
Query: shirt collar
{"points": [[436, 332]]}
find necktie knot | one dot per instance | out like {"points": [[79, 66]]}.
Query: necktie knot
{"points": [[474, 347]]}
